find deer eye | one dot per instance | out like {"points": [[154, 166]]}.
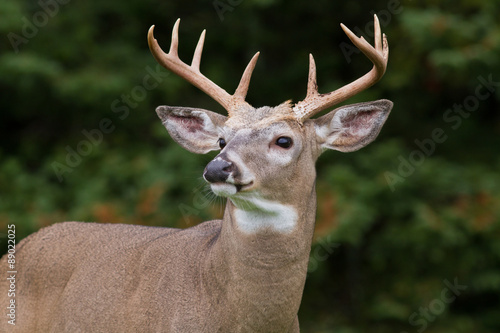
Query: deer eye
{"points": [[222, 143], [284, 142]]}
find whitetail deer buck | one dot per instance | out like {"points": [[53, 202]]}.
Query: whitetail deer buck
{"points": [[244, 273]]}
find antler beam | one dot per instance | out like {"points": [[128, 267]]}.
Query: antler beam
{"points": [[192, 74], [378, 55]]}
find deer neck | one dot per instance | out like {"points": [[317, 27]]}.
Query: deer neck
{"points": [[262, 268], [269, 232]]}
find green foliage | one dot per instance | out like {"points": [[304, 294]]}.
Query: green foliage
{"points": [[397, 248], [80, 140]]}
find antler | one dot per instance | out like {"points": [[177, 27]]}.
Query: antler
{"points": [[379, 55], [192, 74]]}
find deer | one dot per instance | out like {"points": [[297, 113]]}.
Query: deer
{"points": [[243, 273]]}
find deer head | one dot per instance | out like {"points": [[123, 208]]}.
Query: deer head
{"points": [[267, 154]]}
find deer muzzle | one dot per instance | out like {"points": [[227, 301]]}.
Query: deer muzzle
{"points": [[219, 170]]}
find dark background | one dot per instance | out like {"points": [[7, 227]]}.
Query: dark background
{"points": [[407, 235]]}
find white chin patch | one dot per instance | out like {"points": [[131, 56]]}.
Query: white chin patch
{"points": [[223, 190], [254, 214]]}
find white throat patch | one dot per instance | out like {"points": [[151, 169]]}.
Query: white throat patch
{"points": [[253, 214]]}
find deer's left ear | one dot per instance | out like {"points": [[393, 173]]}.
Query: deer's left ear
{"points": [[196, 130], [352, 127]]}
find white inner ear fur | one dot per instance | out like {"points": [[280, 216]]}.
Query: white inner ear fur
{"points": [[324, 131], [208, 125], [254, 214], [337, 125], [351, 128]]}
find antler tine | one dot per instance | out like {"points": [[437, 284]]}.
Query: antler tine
{"points": [[378, 35], [197, 52], [192, 74], [300, 109], [242, 90], [174, 44], [312, 85], [378, 55]]}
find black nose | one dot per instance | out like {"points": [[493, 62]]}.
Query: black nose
{"points": [[218, 170]]}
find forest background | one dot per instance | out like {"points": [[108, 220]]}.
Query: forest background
{"points": [[407, 236]]}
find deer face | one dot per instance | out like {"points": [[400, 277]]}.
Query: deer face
{"points": [[261, 150]]}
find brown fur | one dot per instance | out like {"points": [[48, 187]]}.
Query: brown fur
{"points": [[86, 277]]}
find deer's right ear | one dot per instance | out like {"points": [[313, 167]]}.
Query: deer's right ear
{"points": [[352, 127], [196, 130]]}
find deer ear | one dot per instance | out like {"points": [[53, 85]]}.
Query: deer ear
{"points": [[352, 127], [196, 130]]}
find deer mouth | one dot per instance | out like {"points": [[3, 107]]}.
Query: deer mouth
{"points": [[243, 187], [225, 189]]}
